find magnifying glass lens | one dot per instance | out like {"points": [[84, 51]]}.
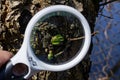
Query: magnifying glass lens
{"points": [[57, 37]]}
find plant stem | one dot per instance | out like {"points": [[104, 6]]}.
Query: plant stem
{"points": [[82, 37], [58, 53]]}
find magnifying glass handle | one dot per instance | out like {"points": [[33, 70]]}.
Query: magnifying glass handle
{"points": [[2, 72], [7, 74]]}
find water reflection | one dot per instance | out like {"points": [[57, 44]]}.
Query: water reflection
{"points": [[105, 55]]}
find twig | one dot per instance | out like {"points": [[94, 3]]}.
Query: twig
{"points": [[94, 33], [82, 37], [107, 2], [105, 16], [58, 53]]}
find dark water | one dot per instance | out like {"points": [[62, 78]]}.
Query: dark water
{"points": [[105, 55]]}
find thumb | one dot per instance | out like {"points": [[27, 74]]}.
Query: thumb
{"points": [[4, 57]]}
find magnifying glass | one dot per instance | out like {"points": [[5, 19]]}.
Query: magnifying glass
{"points": [[56, 39]]}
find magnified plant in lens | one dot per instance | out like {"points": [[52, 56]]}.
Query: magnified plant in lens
{"points": [[57, 38]]}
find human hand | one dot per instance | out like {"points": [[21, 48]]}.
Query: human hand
{"points": [[4, 57]]}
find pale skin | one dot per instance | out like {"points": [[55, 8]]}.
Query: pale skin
{"points": [[4, 57]]}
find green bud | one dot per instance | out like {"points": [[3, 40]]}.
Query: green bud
{"points": [[50, 55], [57, 39]]}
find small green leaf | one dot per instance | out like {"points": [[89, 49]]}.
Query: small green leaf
{"points": [[57, 39], [50, 55]]}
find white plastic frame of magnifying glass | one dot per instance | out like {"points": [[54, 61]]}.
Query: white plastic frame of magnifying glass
{"points": [[26, 55]]}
